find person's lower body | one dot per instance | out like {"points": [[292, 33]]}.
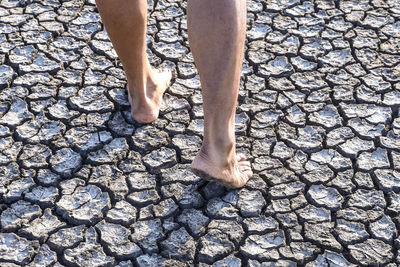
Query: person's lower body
{"points": [[216, 35], [125, 22]]}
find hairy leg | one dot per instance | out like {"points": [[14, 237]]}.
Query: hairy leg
{"points": [[216, 35], [125, 21]]}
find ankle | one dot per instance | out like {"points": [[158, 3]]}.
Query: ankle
{"points": [[144, 83], [216, 155], [141, 75], [219, 147], [220, 136]]}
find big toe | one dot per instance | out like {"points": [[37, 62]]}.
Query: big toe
{"points": [[244, 163], [240, 157]]}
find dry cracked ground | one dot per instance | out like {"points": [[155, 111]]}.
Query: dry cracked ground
{"points": [[82, 184]]}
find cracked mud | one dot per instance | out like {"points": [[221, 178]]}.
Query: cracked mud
{"points": [[82, 184]]}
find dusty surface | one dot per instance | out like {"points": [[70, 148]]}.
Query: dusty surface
{"points": [[81, 184]]}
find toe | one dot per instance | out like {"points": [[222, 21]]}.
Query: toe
{"points": [[242, 179], [240, 157], [244, 166], [244, 163], [248, 174], [243, 169]]}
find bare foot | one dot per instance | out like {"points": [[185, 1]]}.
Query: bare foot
{"points": [[234, 173], [147, 111]]}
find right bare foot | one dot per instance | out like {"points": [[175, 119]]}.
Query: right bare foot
{"points": [[147, 111], [233, 172]]}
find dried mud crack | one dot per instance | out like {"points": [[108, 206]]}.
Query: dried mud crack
{"points": [[82, 184]]}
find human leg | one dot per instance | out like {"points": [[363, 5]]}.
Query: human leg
{"points": [[216, 36], [125, 22]]}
